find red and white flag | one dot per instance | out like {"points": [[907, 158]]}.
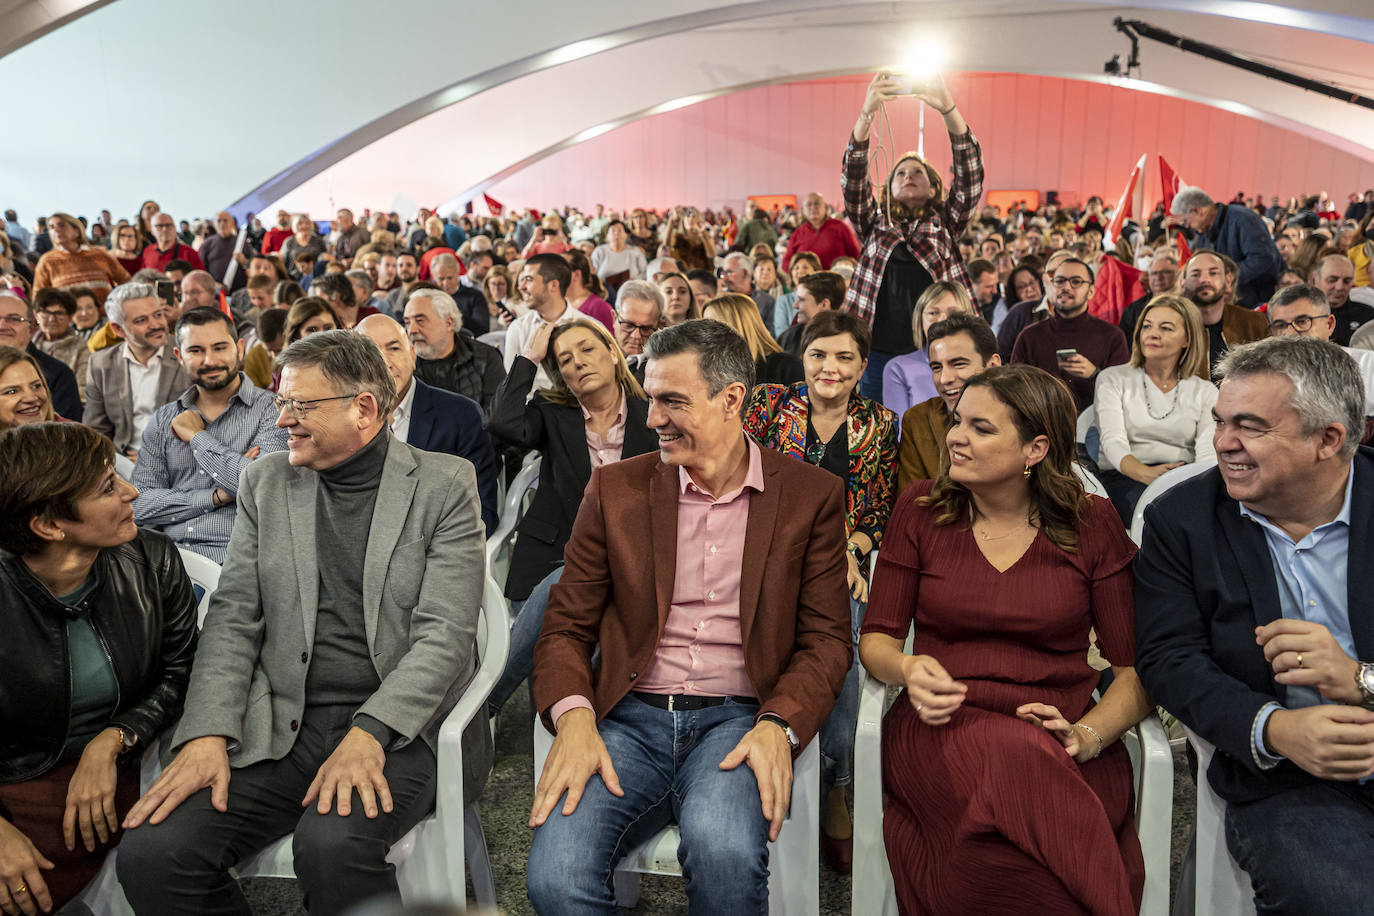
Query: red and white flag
{"points": [[1171, 184], [1125, 206], [494, 205]]}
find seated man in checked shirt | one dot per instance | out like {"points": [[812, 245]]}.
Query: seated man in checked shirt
{"points": [[711, 574], [195, 447]]}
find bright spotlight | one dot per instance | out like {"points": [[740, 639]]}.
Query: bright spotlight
{"points": [[924, 58]]}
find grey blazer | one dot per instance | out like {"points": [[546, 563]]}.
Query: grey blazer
{"points": [[109, 402], [422, 588]]}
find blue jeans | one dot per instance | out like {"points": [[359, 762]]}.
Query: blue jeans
{"points": [[1307, 850], [837, 731], [871, 385], [668, 766], [524, 633]]}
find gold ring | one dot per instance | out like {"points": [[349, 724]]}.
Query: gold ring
{"points": [[22, 889], [919, 707], [1299, 659]]}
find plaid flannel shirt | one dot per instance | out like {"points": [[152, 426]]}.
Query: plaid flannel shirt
{"points": [[933, 240]]}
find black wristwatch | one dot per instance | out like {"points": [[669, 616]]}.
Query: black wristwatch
{"points": [[792, 739]]}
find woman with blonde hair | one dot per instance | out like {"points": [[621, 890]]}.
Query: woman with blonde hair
{"points": [[907, 380], [908, 235], [996, 758], [1155, 412], [127, 247], [24, 394], [73, 262], [595, 413], [773, 365]]}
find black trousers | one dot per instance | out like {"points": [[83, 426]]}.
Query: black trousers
{"points": [[181, 866]]}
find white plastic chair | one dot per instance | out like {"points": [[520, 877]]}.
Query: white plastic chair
{"points": [[794, 867], [495, 339], [203, 572], [123, 466], [1154, 490], [1090, 481], [502, 540], [1086, 421], [430, 858], [873, 890], [1221, 887]]}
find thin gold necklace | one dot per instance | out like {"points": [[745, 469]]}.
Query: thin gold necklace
{"points": [[1028, 523]]}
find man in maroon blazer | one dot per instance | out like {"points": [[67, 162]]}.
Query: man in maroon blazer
{"points": [[711, 574]]}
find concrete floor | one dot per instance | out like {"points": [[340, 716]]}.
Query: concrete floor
{"points": [[505, 812]]}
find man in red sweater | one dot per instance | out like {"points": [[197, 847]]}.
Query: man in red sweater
{"points": [[278, 234], [828, 237], [166, 248]]}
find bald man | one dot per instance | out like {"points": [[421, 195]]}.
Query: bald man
{"points": [[218, 252], [1334, 275], [431, 418], [821, 234]]}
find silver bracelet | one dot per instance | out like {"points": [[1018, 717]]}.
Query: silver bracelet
{"points": [[1092, 731]]}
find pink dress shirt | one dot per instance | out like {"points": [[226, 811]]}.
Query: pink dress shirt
{"points": [[701, 651], [606, 449]]}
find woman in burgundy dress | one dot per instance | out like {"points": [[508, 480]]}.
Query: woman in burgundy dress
{"points": [[1005, 787]]}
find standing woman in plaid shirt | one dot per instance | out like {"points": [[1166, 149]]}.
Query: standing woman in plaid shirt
{"points": [[909, 234]]}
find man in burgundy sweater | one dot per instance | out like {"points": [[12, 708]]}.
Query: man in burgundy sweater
{"points": [[1095, 344], [822, 234]]}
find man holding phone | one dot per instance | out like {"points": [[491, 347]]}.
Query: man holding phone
{"points": [[1071, 344]]}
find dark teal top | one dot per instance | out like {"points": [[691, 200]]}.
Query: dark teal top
{"points": [[95, 692]]}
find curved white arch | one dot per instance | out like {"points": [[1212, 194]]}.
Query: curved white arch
{"points": [[769, 53]]}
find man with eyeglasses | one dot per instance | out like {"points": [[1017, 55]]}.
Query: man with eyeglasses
{"points": [[196, 447], [738, 276], [1305, 310], [1071, 344], [638, 314], [1160, 277], [166, 248], [342, 634], [16, 330]]}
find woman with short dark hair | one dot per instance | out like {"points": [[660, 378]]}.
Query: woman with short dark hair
{"points": [[100, 629], [826, 422]]}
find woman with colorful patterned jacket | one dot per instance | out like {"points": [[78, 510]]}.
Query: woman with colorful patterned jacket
{"points": [[825, 421]]}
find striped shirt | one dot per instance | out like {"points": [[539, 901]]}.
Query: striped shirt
{"points": [[933, 239], [176, 480]]}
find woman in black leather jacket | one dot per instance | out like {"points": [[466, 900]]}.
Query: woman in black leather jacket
{"points": [[99, 624]]}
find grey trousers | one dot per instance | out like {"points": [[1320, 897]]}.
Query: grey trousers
{"points": [[181, 866]]}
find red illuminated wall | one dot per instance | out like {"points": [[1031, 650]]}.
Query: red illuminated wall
{"points": [[1078, 138]]}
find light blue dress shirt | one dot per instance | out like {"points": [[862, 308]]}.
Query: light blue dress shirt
{"points": [[1312, 576]]}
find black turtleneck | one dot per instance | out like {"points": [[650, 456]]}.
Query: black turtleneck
{"points": [[341, 670]]}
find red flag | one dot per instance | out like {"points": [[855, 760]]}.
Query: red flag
{"points": [[1170, 182], [494, 205], [1123, 206], [224, 306], [1118, 284], [1184, 252]]}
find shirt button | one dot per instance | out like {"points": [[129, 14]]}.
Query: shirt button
{"points": [[1311, 604], [711, 594], [713, 548], [295, 725], [305, 656], [692, 685]]}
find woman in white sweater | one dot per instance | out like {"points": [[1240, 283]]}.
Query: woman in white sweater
{"points": [[1155, 412]]}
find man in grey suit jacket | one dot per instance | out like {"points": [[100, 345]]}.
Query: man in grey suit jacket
{"points": [[337, 642], [126, 383]]}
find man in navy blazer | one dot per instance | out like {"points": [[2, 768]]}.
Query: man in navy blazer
{"points": [[1255, 621], [434, 419]]}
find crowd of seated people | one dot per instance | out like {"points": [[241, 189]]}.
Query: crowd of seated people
{"points": [[327, 415]]}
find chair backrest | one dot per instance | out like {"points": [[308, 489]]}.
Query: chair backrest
{"points": [[1089, 481], [1222, 886], [498, 545], [123, 466], [204, 575], [495, 339], [493, 631], [1161, 483], [1086, 421]]}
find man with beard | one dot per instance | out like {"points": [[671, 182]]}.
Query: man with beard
{"points": [[407, 275], [987, 292], [1206, 285], [450, 357], [195, 447], [1072, 345]]}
